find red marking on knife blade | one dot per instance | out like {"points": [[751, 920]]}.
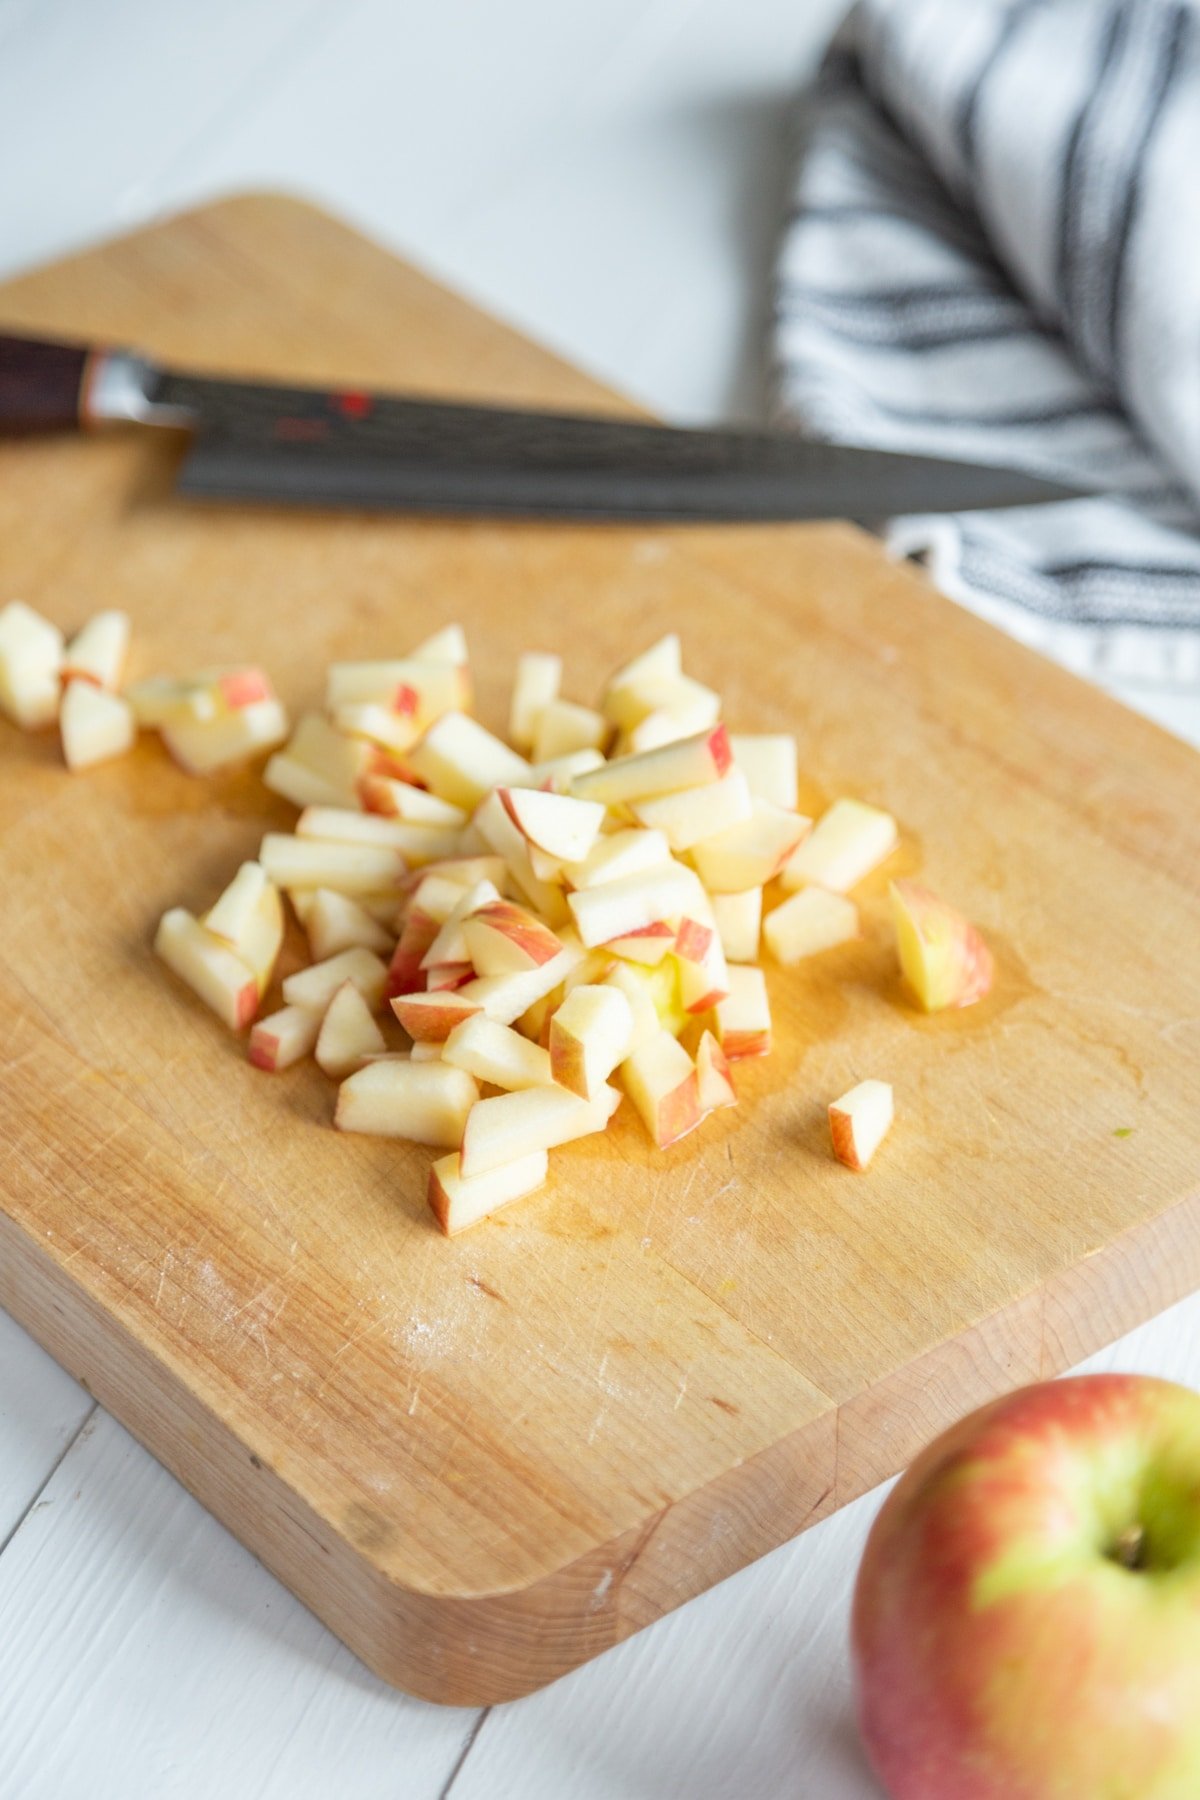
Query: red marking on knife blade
{"points": [[353, 404]]}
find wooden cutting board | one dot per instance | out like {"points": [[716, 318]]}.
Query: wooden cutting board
{"points": [[483, 1461]]}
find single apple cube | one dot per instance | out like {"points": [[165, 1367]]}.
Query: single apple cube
{"points": [[284, 1038], [346, 825], [859, 1122], [262, 940], [504, 939], [501, 834], [769, 762], [426, 1102], [667, 724], [536, 685], [349, 1035], [381, 725], [448, 644], [563, 727], [617, 908], [589, 1035], [457, 1203], [689, 817], [294, 781], [430, 1018], [714, 1077], [627, 852], [498, 1054], [296, 862], [647, 946], [943, 958], [506, 998], [450, 944], [703, 971], [315, 986], [414, 805], [564, 828], [629, 703], [557, 775], [738, 919], [506, 1127], [342, 760], [31, 655], [662, 661], [462, 761], [811, 921], [848, 842], [335, 923], [688, 763], [744, 1016], [97, 652], [660, 1079], [751, 852], [200, 748], [231, 916], [95, 725], [639, 996], [210, 968]]}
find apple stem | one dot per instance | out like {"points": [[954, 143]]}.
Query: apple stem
{"points": [[1130, 1547]]}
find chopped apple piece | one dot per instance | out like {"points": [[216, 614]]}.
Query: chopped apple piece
{"points": [[738, 919], [200, 747], [536, 685], [462, 761], [768, 761], [752, 852], [430, 1018], [230, 917], [630, 703], [210, 968], [95, 725], [847, 843], [697, 813], [557, 775], [294, 781], [457, 1203], [663, 660], [348, 868], [339, 759], [348, 1035], [589, 1035], [284, 1038], [703, 971], [31, 652], [744, 1016], [97, 652], [667, 724], [620, 853], [660, 1079], [500, 833], [690, 762], [714, 1077], [450, 944], [564, 828], [859, 1122], [943, 958], [647, 946], [441, 976], [563, 727], [405, 976], [425, 689], [640, 998], [382, 725], [506, 1127], [448, 644], [811, 921], [315, 986], [427, 1102], [497, 1053], [507, 997], [504, 939], [439, 895], [414, 805], [617, 908], [335, 922]]}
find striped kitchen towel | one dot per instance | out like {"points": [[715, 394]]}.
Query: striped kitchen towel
{"points": [[994, 253]]}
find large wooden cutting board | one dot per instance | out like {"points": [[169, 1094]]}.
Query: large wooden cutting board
{"points": [[483, 1461]]}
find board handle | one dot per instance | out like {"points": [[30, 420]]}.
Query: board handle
{"points": [[43, 385]]}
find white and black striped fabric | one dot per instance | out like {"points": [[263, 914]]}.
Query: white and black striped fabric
{"points": [[994, 254]]}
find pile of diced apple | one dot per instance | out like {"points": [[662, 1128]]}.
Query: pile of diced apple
{"points": [[555, 922], [207, 721]]}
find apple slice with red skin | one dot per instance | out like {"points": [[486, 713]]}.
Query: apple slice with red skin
{"points": [[214, 972], [660, 1079], [846, 843], [232, 737], [507, 998], [405, 974], [430, 1018], [714, 1077], [687, 763], [629, 904], [426, 1102], [450, 944], [97, 652], [316, 985], [859, 1122], [647, 946], [563, 827], [286, 1037], [457, 1202], [389, 727], [504, 939], [591, 1033], [744, 1016], [444, 976], [248, 916], [750, 852], [349, 1035], [943, 958], [506, 1127], [688, 817]]}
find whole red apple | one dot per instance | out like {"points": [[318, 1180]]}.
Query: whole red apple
{"points": [[1027, 1616]]}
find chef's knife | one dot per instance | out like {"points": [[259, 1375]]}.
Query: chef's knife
{"points": [[348, 448]]}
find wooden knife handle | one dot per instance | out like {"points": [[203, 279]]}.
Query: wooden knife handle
{"points": [[43, 385]]}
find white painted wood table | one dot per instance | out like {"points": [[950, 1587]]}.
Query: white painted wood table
{"points": [[609, 176]]}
